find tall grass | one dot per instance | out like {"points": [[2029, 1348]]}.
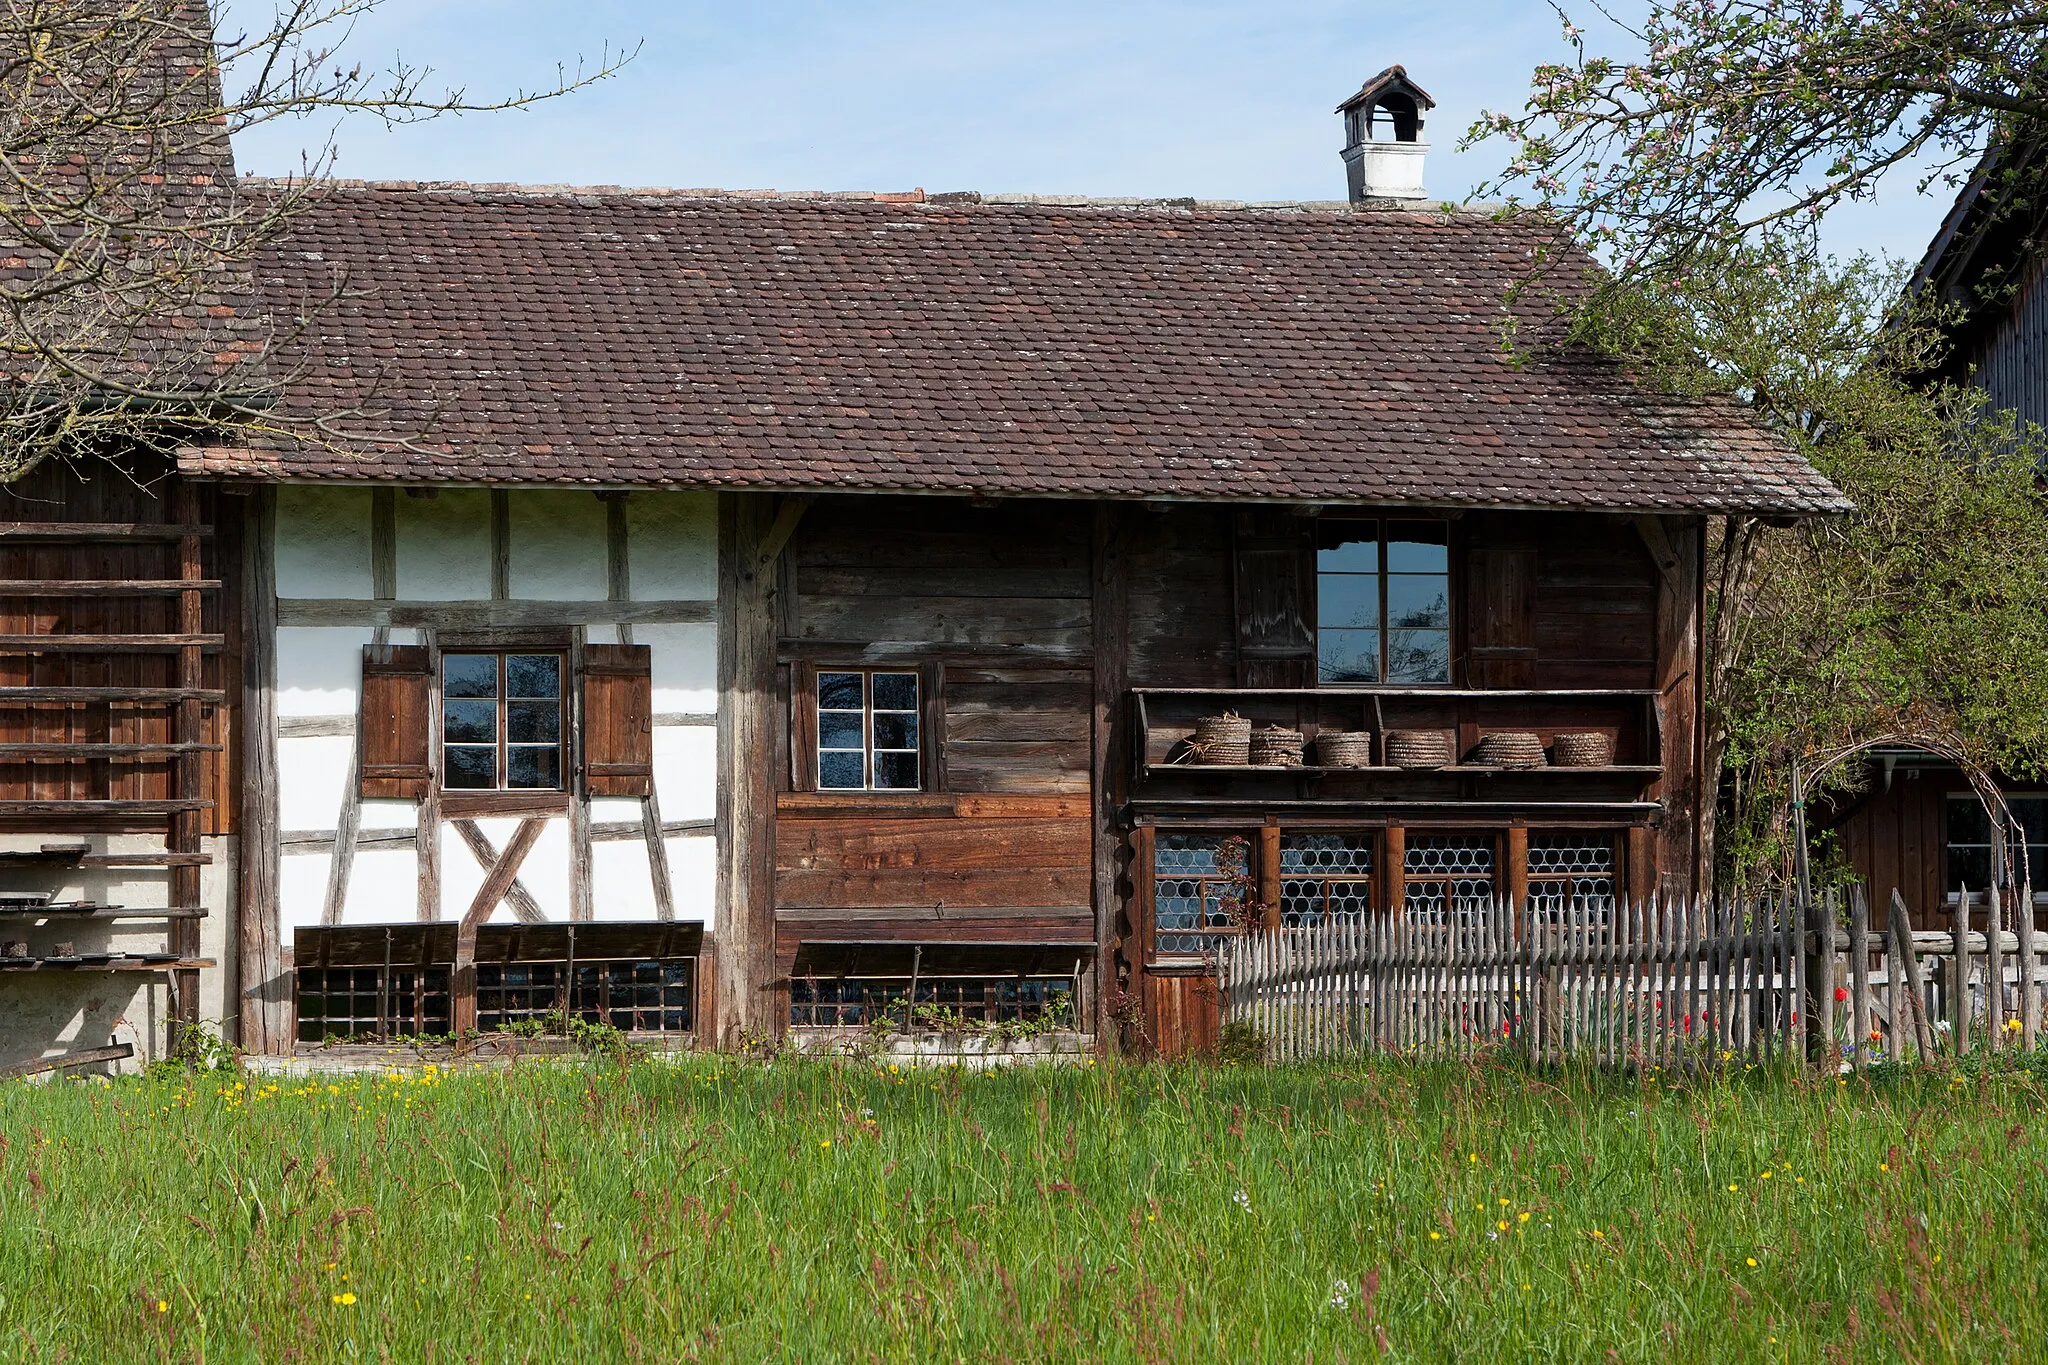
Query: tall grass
{"points": [[725, 1211]]}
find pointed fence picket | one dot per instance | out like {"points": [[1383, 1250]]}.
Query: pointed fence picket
{"points": [[1645, 984]]}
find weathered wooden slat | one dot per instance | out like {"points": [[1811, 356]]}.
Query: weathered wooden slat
{"points": [[80, 753], [92, 1056], [37, 696], [101, 587], [106, 644], [97, 530]]}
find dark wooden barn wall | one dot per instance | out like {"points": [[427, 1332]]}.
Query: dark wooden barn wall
{"points": [[997, 602], [101, 493], [1895, 838], [2010, 360]]}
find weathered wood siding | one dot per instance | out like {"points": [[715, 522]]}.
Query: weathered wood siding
{"points": [[2009, 361], [994, 606]]}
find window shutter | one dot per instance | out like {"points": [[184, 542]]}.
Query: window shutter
{"points": [[618, 720], [396, 725], [1275, 556], [1502, 629]]}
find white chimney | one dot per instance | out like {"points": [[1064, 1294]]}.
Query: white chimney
{"points": [[1383, 146]]}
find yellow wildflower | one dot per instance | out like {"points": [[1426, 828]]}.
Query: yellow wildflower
{"points": [[345, 1300]]}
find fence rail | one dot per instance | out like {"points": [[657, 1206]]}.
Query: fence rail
{"points": [[1640, 985]]}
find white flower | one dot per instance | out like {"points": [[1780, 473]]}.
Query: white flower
{"points": [[1340, 1295], [1242, 1200]]}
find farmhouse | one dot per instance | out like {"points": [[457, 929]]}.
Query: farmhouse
{"points": [[723, 614]]}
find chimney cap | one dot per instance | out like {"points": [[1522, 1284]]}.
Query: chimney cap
{"points": [[1394, 80]]}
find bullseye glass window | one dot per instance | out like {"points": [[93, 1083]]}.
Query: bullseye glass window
{"points": [[1325, 878], [501, 721], [868, 736], [1572, 877], [1201, 887], [1383, 601], [1446, 874]]}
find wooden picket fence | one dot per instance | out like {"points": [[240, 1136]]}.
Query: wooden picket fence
{"points": [[1637, 985]]}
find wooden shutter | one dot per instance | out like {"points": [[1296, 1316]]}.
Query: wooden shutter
{"points": [[1501, 596], [618, 720], [396, 724], [1275, 558]]}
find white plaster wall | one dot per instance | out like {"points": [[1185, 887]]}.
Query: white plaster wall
{"points": [[444, 546], [383, 885], [323, 542], [313, 778], [319, 669], [685, 667], [672, 546], [558, 547], [686, 771]]}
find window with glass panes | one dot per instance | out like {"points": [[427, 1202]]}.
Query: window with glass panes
{"points": [[1325, 878], [1449, 874], [868, 735], [1383, 601], [501, 722], [1573, 877], [1969, 840]]}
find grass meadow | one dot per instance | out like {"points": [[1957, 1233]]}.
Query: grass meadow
{"points": [[720, 1210]]}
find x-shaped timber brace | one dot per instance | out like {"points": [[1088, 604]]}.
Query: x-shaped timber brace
{"points": [[496, 883]]}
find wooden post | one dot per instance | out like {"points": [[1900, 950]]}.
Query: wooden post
{"points": [[1916, 981], [746, 806], [1859, 977], [1959, 974], [2030, 979], [1110, 625], [262, 987], [497, 881], [187, 824], [1994, 963]]}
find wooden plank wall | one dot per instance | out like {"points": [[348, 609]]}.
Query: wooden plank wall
{"points": [[999, 599], [103, 493], [1595, 601], [1894, 838]]}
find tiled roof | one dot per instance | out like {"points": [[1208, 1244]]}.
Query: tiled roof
{"points": [[1024, 346]]}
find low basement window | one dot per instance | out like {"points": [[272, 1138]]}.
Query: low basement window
{"points": [[635, 997], [856, 1002]]}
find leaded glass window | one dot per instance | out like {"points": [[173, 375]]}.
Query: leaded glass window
{"points": [[1383, 601], [1445, 874], [868, 737], [1203, 886], [1325, 878], [1572, 878]]}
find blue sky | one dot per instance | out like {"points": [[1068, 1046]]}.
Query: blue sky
{"points": [[1228, 99]]}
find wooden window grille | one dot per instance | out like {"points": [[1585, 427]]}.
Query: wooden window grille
{"points": [[1383, 601], [869, 730], [502, 721], [373, 1002], [858, 1001], [1326, 878], [635, 996]]}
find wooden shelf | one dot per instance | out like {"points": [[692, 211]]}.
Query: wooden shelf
{"points": [[98, 530], [105, 644], [60, 854], [1448, 770], [109, 587], [32, 696], [18, 913], [130, 963]]}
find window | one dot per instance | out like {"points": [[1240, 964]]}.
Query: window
{"points": [[861, 1001], [1383, 601], [868, 737], [1325, 878], [1969, 840], [501, 722], [1203, 886], [372, 1002], [1572, 878], [634, 996], [1448, 874]]}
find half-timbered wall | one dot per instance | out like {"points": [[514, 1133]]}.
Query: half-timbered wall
{"points": [[464, 570]]}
